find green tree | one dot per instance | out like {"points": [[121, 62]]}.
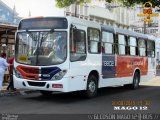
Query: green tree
{"points": [[109, 1], [126, 3], [65, 3], [129, 3]]}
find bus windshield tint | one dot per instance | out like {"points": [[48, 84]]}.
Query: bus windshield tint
{"points": [[41, 48], [43, 23]]}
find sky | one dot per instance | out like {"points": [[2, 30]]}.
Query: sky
{"points": [[36, 7]]}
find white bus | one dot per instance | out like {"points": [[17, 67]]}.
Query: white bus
{"points": [[66, 54], [158, 52]]}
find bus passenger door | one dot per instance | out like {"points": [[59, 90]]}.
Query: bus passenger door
{"points": [[77, 57]]}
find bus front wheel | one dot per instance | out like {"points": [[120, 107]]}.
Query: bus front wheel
{"points": [[92, 85]]}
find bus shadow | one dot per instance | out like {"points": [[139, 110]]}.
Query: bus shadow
{"points": [[111, 91], [58, 97], [72, 97]]}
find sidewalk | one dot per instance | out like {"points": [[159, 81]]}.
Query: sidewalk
{"points": [[154, 82], [4, 87], [6, 92]]}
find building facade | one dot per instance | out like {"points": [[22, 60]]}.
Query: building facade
{"points": [[101, 12], [115, 15], [9, 20], [152, 28], [8, 15]]}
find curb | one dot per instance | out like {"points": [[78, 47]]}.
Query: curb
{"points": [[5, 92], [9, 93], [14, 93]]}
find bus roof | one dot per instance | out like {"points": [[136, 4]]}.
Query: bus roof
{"points": [[123, 31], [71, 20], [83, 22], [151, 37], [108, 28]]}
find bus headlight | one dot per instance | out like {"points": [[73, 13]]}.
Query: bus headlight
{"points": [[59, 75], [17, 74]]}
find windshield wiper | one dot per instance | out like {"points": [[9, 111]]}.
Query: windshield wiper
{"points": [[32, 36], [40, 37]]}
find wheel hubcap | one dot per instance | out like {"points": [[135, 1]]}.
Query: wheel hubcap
{"points": [[92, 86]]}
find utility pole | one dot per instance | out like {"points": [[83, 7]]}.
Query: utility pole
{"points": [[75, 14], [145, 28]]}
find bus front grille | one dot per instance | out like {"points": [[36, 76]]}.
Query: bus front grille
{"points": [[38, 84]]}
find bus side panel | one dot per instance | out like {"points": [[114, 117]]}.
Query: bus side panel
{"points": [[124, 66], [80, 70], [119, 70], [142, 64], [151, 73], [108, 66]]}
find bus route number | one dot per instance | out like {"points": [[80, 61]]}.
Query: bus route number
{"points": [[108, 63]]}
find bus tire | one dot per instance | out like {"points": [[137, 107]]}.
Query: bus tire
{"points": [[135, 83], [46, 93], [136, 80], [92, 86]]}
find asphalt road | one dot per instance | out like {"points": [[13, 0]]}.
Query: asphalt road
{"points": [[35, 103], [74, 103]]}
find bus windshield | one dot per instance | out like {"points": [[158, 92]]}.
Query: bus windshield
{"points": [[41, 48]]}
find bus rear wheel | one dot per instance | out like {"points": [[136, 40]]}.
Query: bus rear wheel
{"points": [[46, 93], [92, 85], [136, 80]]}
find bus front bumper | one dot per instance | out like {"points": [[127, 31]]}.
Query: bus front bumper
{"points": [[58, 86]]}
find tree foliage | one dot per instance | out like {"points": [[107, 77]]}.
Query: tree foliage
{"points": [[109, 1], [126, 3], [65, 3], [129, 3]]}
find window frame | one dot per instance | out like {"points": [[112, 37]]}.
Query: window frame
{"points": [[142, 47], [99, 42], [136, 47], [151, 49], [84, 44], [125, 45], [113, 43]]}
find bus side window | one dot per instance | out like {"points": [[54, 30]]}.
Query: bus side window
{"points": [[77, 45], [150, 48], [121, 44], [94, 45], [107, 42], [132, 42], [141, 47]]}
